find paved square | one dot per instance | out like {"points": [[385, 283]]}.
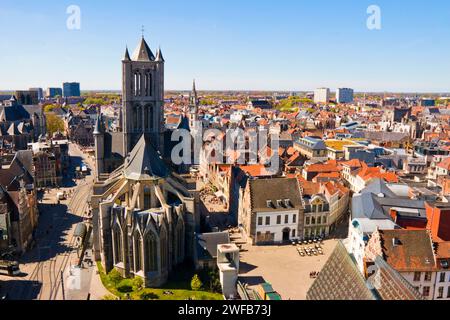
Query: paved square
{"points": [[282, 267]]}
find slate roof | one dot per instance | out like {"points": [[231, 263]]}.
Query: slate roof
{"points": [[144, 162], [13, 113], [262, 190], [207, 244], [312, 143], [143, 52], [340, 279], [369, 204]]}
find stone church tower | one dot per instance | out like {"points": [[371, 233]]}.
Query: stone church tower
{"points": [[143, 97], [193, 111], [143, 215]]}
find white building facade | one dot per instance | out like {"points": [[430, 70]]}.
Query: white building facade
{"points": [[322, 95]]}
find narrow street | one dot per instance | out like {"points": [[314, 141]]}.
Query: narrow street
{"points": [[54, 252]]}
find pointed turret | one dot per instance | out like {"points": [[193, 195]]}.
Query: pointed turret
{"points": [[98, 126], [127, 55], [143, 52], [159, 56]]}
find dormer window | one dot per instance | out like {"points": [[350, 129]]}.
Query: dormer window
{"points": [[269, 204], [279, 203], [287, 203], [396, 242]]}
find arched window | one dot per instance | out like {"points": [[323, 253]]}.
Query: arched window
{"points": [[139, 117], [149, 84], [151, 257], [147, 198], [180, 241], [146, 118], [163, 244], [150, 118], [135, 118], [136, 84], [137, 252], [117, 245]]}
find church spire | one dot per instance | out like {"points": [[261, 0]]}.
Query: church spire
{"points": [[127, 55], [159, 56], [143, 52], [193, 96]]}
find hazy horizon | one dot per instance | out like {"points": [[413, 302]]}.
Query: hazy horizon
{"points": [[231, 45]]}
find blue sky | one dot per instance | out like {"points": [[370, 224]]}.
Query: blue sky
{"points": [[231, 44]]}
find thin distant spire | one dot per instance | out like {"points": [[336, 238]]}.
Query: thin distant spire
{"points": [[143, 31]]}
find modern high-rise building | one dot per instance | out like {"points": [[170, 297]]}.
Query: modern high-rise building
{"points": [[344, 95], [322, 95], [27, 97], [39, 91], [53, 92], [71, 89]]}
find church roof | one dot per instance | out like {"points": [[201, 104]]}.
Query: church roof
{"points": [[143, 52], [145, 163]]}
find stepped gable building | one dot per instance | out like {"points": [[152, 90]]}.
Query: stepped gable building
{"points": [[143, 215]]}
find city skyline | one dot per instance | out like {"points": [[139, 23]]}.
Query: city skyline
{"points": [[229, 49]]}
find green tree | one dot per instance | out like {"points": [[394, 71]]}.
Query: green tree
{"points": [[196, 284], [54, 124], [115, 277], [138, 284], [50, 107]]}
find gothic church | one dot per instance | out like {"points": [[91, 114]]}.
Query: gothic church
{"points": [[143, 216]]}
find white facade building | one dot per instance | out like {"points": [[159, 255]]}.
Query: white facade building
{"points": [[282, 225], [322, 95]]}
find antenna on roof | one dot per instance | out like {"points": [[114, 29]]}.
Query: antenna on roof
{"points": [[143, 31]]}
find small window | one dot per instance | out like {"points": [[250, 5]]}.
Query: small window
{"points": [[286, 219], [308, 221], [313, 220], [260, 221], [448, 292], [324, 220], [294, 218], [293, 233], [427, 276], [319, 220], [440, 293], [417, 276], [279, 203], [426, 291], [267, 221], [269, 204], [278, 219], [442, 277]]}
